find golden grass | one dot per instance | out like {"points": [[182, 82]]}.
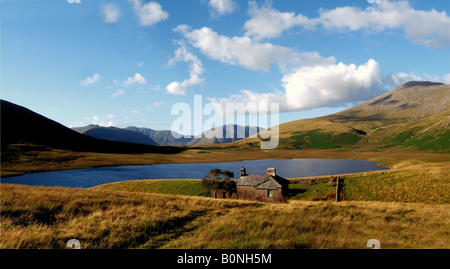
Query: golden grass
{"points": [[191, 187], [325, 225], [39, 217], [409, 181], [42, 217]]}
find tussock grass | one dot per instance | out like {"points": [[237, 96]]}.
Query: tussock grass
{"points": [[325, 225], [172, 186], [412, 181], [42, 217], [39, 217]]}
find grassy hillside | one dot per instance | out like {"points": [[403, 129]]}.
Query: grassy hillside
{"points": [[40, 217], [416, 115], [418, 182]]}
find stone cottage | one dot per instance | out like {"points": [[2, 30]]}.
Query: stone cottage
{"points": [[263, 188]]}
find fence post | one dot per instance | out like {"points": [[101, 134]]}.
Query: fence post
{"points": [[338, 189]]}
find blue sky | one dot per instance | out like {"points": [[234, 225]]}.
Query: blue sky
{"points": [[126, 63]]}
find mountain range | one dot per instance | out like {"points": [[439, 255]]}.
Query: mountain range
{"points": [[228, 133], [414, 115]]}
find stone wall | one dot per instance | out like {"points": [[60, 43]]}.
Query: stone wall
{"points": [[250, 193]]}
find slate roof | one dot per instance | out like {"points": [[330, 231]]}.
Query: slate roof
{"points": [[261, 182]]}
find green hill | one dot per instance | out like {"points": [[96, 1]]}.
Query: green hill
{"points": [[415, 114]]}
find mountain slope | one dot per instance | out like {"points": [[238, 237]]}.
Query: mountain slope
{"points": [[19, 125], [164, 137], [120, 135], [227, 134], [86, 128], [410, 101], [415, 114]]}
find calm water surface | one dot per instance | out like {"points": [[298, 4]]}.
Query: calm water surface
{"points": [[290, 168]]}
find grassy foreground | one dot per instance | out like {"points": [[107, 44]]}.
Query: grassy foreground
{"points": [[42, 217]]}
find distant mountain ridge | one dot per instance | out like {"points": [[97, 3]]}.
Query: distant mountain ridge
{"points": [[120, 135], [163, 137], [227, 134]]}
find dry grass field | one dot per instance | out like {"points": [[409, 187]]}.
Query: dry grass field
{"points": [[42, 217]]}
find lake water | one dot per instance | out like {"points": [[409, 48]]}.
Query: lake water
{"points": [[289, 168]]}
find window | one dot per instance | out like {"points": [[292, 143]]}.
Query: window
{"points": [[269, 193]]}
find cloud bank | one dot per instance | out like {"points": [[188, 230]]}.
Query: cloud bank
{"points": [[245, 52], [428, 28]]}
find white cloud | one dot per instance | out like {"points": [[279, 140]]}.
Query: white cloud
{"points": [[118, 93], [428, 28], [253, 101], [400, 78], [395, 80], [266, 22], [136, 79], [221, 7], [243, 51], [195, 71], [90, 80], [446, 79], [332, 85], [102, 121], [319, 86], [149, 13], [176, 88], [110, 13]]}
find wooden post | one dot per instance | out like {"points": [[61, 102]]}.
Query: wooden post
{"points": [[338, 189]]}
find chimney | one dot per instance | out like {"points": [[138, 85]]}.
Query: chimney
{"points": [[271, 171], [243, 172]]}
